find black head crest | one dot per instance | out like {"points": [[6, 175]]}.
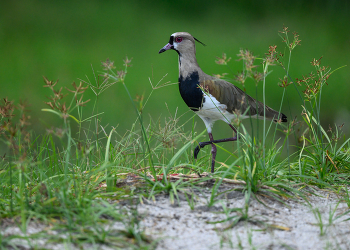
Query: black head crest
{"points": [[199, 41]]}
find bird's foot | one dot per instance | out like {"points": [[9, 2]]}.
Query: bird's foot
{"points": [[197, 149]]}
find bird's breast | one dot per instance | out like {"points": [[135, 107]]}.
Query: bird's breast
{"points": [[190, 91]]}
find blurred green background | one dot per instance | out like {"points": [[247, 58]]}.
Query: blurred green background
{"points": [[63, 39]]}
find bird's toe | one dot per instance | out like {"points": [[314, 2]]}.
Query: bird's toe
{"points": [[197, 149]]}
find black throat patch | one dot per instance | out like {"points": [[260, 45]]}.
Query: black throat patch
{"points": [[190, 91]]}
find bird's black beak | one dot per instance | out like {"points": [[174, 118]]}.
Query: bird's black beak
{"points": [[166, 47]]}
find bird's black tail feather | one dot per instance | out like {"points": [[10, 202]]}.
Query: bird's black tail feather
{"points": [[283, 118]]}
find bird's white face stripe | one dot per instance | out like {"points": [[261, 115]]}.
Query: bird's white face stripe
{"points": [[174, 43]]}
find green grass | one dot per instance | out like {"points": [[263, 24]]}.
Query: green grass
{"points": [[38, 42], [68, 177]]}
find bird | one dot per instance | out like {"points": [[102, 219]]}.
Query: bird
{"points": [[212, 98]]}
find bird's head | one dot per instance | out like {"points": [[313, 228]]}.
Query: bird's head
{"points": [[182, 43]]}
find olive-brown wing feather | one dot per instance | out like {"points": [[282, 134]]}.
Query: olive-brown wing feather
{"points": [[237, 100]]}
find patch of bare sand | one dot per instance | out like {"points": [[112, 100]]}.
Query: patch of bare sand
{"points": [[177, 226]]}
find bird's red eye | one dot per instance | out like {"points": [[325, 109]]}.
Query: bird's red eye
{"points": [[178, 39]]}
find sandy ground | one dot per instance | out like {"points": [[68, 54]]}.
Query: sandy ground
{"points": [[180, 227], [271, 226]]}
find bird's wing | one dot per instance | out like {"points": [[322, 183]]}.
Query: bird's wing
{"points": [[236, 100]]}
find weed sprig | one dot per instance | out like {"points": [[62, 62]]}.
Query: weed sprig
{"points": [[78, 178]]}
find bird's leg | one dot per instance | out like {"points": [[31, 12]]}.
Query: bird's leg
{"points": [[205, 143], [213, 152], [234, 129]]}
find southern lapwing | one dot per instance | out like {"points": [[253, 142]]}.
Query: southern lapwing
{"points": [[210, 98]]}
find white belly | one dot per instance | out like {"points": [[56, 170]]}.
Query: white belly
{"points": [[212, 110]]}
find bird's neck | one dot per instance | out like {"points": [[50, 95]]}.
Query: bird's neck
{"points": [[188, 64]]}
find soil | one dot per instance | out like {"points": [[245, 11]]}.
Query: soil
{"points": [[271, 224]]}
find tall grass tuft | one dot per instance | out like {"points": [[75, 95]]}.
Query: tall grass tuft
{"points": [[73, 175]]}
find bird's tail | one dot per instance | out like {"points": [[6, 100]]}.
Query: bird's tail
{"points": [[282, 118]]}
